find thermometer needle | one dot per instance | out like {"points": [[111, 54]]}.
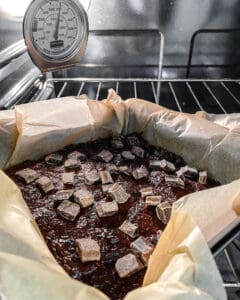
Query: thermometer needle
{"points": [[57, 24]]}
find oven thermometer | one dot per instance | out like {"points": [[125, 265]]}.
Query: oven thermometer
{"points": [[56, 33]]}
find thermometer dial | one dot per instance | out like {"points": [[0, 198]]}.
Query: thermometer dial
{"points": [[55, 32]]}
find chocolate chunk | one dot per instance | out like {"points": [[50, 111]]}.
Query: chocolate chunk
{"points": [[133, 141], [174, 181], [54, 159], [68, 210], [147, 191], [153, 200], [105, 156], [162, 164], [187, 172], [84, 197], [163, 211], [118, 193], [28, 175], [180, 173], [106, 187], [72, 163], [128, 265], [124, 170], [88, 250], [79, 177], [167, 165], [113, 169], [91, 177], [45, 184], [140, 173], [68, 178], [128, 155], [77, 155], [202, 177], [138, 151], [63, 195], [143, 248], [117, 143], [128, 228], [154, 164], [107, 209], [105, 177]]}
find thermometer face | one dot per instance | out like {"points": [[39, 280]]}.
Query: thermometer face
{"points": [[55, 29]]}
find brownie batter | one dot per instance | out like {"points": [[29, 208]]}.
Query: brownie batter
{"points": [[61, 234]]}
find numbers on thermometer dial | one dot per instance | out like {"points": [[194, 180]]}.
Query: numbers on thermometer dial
{"points": [[56, 29]]}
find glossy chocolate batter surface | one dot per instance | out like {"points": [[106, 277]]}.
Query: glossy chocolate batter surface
{"points": [[61, 234]]}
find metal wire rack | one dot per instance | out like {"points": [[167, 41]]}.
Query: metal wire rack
{"points": [[184, 95], [191, 95]]}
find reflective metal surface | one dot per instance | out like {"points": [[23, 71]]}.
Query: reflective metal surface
{"points": [[176, 19]]}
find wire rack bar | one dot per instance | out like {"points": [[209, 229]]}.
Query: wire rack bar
{"points": [[98, 90], [98, 79], [194, 96], [230, 93], [214, 97], [154, 92], [117, 87], [231, 285], [62, 89], [192, 45], [81, 88], [231, 266], [135, 89], [175, 96]]}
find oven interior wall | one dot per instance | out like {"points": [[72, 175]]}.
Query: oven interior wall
{"points": [[176, 19]]}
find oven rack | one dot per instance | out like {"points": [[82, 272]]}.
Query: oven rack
{"points": [[184, 95]]}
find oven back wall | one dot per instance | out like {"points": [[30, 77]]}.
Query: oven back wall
{"points": [[135, 56], [178, 20]]}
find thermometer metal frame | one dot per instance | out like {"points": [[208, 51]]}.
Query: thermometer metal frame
{"points": [[46, 63]]}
